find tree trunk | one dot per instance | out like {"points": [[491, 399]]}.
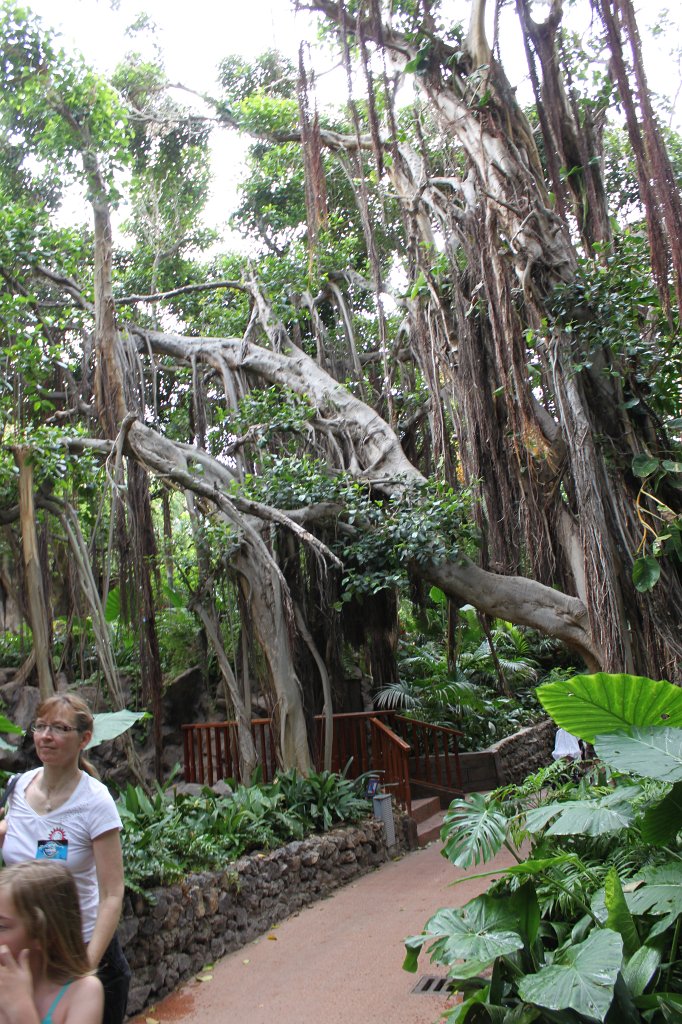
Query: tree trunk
{"points": [[37, 604]]}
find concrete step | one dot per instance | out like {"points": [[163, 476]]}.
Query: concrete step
{"points": [[425, 807], [429, 830]]}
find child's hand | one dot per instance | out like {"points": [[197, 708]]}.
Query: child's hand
{"points": [[16, 988]]}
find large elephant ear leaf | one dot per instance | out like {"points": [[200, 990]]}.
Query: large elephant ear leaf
{"points": [[463, 934], [472, 831], [607, 702], [653, 753], [640, 969], [582, 978], [110, 724], [661, 895], [610, 813], [662, 822]]}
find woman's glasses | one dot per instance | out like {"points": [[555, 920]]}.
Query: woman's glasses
{"points": [[56, 728]]}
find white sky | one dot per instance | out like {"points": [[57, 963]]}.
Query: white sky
{"points": [[194, 35]]}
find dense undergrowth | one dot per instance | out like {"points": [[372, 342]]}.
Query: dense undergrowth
{"points": [[478, 677], [168, 836]]}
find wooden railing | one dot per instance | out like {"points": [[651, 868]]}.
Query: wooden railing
{"points": [[434, 754], [390, 756], [400, 749], [351, 748], [211, 751]]}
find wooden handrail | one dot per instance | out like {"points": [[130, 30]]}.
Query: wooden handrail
{"points": [[351, 751], [391, 757], [211, 750]]}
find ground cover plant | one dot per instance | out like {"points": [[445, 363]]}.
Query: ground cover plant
{"points": [[169, 835], [586, 926]]}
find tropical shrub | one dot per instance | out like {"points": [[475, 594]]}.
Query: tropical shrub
{"points": [[586, 926], [467, 694], [169, 835]]}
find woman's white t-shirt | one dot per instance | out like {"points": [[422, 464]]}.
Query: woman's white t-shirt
{"points": [[65, 834]]}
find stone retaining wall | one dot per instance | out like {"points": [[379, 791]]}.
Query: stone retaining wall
{"points": [[518, 755], [170, 937]]}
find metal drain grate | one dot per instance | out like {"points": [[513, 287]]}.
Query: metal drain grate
{"points": [[432, 985]]}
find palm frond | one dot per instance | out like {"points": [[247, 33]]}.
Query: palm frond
{"points": [[397, 695]]}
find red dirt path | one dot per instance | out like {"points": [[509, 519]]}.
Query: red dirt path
{"points": [[337, 961]]}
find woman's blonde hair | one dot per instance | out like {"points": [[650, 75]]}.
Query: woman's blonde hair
{"points": [[83, 715], [45, 899]]}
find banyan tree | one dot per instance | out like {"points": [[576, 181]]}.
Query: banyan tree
{"points": [[453, 354]]}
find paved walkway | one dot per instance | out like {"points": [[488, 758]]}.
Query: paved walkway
{"points": [[338, 961]]}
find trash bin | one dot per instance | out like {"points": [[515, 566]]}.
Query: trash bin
{"points": [[383, 810]]}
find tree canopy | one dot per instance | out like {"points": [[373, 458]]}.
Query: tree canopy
{"points": [[447, 353]]}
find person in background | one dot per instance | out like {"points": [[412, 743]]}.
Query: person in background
{"points": [[567, 746], [62, 812], [45, 975]]}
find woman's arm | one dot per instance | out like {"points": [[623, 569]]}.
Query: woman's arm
{"points": [[109, 867], [85, 1002]]}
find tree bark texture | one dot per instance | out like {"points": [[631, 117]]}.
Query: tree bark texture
{"points": [[39, 616]]}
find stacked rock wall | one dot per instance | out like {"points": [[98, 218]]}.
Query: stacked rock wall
{"points": [[525, 752], [172, 933]]}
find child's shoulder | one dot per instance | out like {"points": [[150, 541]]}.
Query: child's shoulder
{"points": [[83, 1001]]}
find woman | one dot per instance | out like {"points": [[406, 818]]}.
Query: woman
{"points": [[63, 812], [45, 975]]}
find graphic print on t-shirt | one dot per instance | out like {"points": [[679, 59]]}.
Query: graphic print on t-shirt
{"points": [[56, 847]]}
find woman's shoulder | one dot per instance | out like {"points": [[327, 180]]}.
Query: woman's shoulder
{"points": [[18, 783], [23, 778], [94, 786]]}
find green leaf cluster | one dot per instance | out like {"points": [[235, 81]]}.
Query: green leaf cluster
{"points": [[170, 835], [586, 926]]}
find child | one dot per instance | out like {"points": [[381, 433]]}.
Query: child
{"points": [[45, 977]]}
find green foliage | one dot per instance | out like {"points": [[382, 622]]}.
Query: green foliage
{"points": [[323, 799], [170, 835], [427, 523], [270, 74], [465, 695], [14, 648], [615, 298], [179, 640], [600, 870], [55, 104], [662, 529], [603, 703]]}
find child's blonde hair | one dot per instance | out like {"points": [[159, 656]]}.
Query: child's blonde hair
{"points": [[45, 899]]}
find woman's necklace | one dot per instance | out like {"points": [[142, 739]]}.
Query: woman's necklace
{"points": [[52, 791]]}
